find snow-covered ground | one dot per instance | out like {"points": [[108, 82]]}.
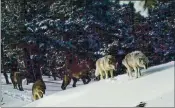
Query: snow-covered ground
{"points": [[16, 98], [155, 87]]}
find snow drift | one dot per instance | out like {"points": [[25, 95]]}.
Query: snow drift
{"points": [[155, 87]]}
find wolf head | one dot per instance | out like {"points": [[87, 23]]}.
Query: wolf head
{"points": [[66, 81], [111, 61], [143, 62]]}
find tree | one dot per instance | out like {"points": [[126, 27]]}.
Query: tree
{"points": [[142, 6], [91, 28]]}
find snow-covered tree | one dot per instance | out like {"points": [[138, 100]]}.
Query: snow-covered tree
{"points": [[90, 28]]}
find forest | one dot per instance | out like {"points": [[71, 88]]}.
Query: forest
{"points": [[41, 32]]}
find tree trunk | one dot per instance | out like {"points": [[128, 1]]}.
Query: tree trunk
{"points": [[2, 66], [6, 78]]}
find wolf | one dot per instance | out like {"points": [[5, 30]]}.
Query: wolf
{"points": [[38, 89], [134, 61], [78, 71], [104, 65], [16, 79], [83, 75]]}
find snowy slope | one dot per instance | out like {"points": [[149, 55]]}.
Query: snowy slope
{"points": [[166, 100], [156, 88], [16, 98]]}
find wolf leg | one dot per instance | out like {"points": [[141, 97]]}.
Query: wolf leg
{"points": [[54, 75], [6, 77], [88, 78], [101, 75], [97, 73], [19, 82], [139, 72], [74, 82], [136, 72], [15, 85], [13, 82], [106, 73], [129, 73], [20, 86], [63, 87], [27, 81], [35, 97], [112, 73], [84, 79], [38, 95]]}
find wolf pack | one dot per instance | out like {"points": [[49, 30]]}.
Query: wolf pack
{"points": [[104, 68]]}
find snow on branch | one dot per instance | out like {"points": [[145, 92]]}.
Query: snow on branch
{"points": [[138, 5]]}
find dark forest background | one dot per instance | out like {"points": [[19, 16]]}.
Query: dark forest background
{"points": [[46, 29]]}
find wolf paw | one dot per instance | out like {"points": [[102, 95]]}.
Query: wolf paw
{"points": [[21, 89], [73, 85]]}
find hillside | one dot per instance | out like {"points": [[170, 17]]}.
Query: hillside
{"points": [[156, 88]]}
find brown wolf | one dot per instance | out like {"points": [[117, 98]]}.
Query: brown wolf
{"points": [[38, 89], [78, 71], [16, 79], [134, 61], [104, 65]]}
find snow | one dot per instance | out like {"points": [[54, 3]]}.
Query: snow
{"points": [[166, 98], [42, 22], [30, 29], [12, 102], [44, 27], [138, 6], [15, 98], [155, 87], [86, 27], [144, 12], [123, 2]]}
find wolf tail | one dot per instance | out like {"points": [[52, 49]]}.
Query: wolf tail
{"points": [[96, 73], [124, 62]]}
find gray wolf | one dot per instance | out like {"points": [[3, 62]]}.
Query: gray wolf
{"points": [[38, 89], [105, 65], [134, 61]]}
